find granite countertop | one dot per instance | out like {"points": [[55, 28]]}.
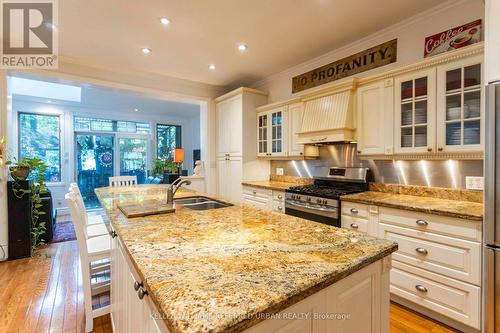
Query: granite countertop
{"points": [[217, 270], [269, 184], [431, 205]]}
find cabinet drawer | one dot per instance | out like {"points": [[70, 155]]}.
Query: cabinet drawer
{"points": [[354, 209], [354, 223], [279, 196], [278, 206], [453, 257], [454, 299], [256, 202], [256, 192], [434, 223]]}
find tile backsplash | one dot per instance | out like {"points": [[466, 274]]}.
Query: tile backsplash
{"points": [[449, 173]]}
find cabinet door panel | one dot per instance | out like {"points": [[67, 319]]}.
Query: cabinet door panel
{"points": [[415, 112], [460, 106], [371, 125], [294, 118], [229, 122]]}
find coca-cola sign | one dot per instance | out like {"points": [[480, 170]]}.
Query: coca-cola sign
{"points": [[451, 39]]}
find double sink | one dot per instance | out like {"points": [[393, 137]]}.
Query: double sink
{"points": [[200, 203]]}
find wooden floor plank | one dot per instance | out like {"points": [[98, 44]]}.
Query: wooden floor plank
{"points": [[55, 301], [50, 294]]}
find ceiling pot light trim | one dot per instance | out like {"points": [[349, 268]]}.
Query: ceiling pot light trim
{"points": [[146, 50], [242, 47], [211, 67], [164, 21]]}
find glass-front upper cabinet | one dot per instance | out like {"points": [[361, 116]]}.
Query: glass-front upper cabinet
{"points": [[262, 142], [270, 133], [460, 106], [415, 112]]}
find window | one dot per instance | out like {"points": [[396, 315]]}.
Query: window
{"points": [[168, 137], [105, 125], [39, 137]]}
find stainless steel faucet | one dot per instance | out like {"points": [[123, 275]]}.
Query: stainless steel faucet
{"points": [[174, 187]]}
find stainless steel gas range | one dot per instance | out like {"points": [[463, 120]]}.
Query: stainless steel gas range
{"points": [[320, 201]]}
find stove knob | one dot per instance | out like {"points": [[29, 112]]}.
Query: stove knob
{"points": [[325, 202], [319, 201], [298, 197], [308, 199]]}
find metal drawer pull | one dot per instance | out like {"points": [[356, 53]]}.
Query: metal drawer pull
{"points": [[137, 285], [354, 210], [421, 223], [141, 293], [280, 208], [421, 288], [280, 196], [421, 250], [354, 226], [254, 192]]}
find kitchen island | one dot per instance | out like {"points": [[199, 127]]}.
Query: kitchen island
{"points": [[241, 268]]}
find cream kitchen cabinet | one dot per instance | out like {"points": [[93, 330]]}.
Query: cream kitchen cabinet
{"points": [[359, 217], [294, 119], [229, 175], [236, 155], [415, 112], [131, 309], [229, 118], [375, 118], [437, 268], [491, 37], [460, 106], [272, 132], [437, 265], [264, 198]]}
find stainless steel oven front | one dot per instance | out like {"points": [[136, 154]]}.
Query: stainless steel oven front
{"points": [[313, 208]]}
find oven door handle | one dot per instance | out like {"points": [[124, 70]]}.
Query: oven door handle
{"points": [[311, 207]]}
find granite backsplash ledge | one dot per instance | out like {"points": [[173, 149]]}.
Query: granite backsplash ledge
{"points": [[431, 192]]}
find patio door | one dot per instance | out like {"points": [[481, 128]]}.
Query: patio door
{"points": [[133, 156], [95, 162]]}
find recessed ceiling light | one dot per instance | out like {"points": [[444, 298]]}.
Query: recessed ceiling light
{"points": [[146, 50], [49, 101], [136, 110], [211, 67], [164, 21], [242, 47]]}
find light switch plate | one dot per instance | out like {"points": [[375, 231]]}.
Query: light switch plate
{"points": [[280, 171], [474, 183]]}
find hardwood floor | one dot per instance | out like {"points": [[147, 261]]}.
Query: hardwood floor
{"points": [[44, 294]]}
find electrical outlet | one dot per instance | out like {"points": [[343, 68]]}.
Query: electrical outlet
{"points": [[474, 183], [280, 171]]}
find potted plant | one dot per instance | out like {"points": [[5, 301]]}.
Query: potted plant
{"points": [[165, 168], [33, 168]]}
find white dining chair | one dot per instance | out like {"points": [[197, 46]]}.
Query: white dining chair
{"points": [[93, 223], [122, 181], [94, 252]]}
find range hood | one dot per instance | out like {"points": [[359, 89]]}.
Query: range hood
{"points": [[328, 119]]}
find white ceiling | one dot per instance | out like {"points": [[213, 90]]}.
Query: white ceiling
{"points": [[101, 99], [279, 33]]}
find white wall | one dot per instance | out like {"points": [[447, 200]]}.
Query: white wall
{"points": [[410, 33], [190, 135]]}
